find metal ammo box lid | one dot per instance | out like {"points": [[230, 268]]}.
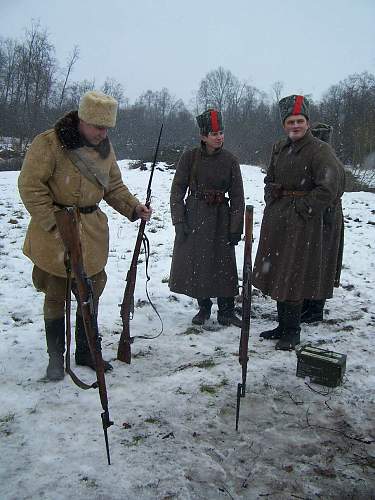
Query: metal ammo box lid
{"points": [[320, 365]]}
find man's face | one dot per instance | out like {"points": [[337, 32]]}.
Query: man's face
{"points": [[214, 140], [296, 127], [92, 133]]}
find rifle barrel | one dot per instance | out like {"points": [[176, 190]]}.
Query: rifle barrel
{"points": [[148, 194], [106, 423], [239, 393]]}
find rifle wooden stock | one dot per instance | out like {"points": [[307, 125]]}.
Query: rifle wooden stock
{"points": [[246, 306], [67, 221], [127, 305]]}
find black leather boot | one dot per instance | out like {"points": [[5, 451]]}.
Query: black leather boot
{"points": [[312, 311], [83, 355], [291, 334], [55, 337], [204, 312], [225, 314], [277, 332]]}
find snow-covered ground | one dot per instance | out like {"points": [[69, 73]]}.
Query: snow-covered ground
{"points": [[177, 399]]}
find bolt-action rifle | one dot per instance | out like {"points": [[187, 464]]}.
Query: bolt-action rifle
{"points": [[127, 305], [246, 306], [67, 221]]}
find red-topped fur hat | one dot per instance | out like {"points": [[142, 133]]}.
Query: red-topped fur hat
{"points": [[293, 105], [210, 121]]}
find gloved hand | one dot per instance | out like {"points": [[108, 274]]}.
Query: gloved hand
{"points": [[272, 191], [182, 231], [276, 190], [303, 209], [234, 238]]}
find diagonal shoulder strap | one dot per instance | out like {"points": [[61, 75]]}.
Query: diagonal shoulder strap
{"points": [[193, 170], [88, 169]]}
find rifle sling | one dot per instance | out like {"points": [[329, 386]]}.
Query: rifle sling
{"points": [[146, 246], [68, 301]]}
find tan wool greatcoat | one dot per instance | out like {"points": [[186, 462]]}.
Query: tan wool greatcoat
{"points": [[301, 240], [49, 177]]}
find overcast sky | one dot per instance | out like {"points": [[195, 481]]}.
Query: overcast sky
{"points": [[148, 44]]}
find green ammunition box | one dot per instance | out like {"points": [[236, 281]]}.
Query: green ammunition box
{"points": [[320, 365]]}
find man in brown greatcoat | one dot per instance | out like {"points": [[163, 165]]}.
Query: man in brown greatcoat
{"points": [[73, 164], [207, 206], [303, 188]]}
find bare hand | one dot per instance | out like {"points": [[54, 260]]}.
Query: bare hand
{"points": [[143, 212]]}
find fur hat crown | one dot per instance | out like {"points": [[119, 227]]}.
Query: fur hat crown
{"points": [[293, 105], [98, 109], [210, 121]]}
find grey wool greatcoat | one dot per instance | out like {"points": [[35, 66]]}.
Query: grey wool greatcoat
{"points": [[301, 240], [204, 263]]}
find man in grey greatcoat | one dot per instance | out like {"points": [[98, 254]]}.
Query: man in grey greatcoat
{"points": [[303, 188], [312, 310], [207, 206]]}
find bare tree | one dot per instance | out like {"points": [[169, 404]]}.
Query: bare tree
{"points": [[219, 89], [277, 89], [115, 89], [75, 91], [73, 58]]}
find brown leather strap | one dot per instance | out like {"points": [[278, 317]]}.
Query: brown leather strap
{"points": [[68, 333], [294, 193], [83, 210], [211, 196]]}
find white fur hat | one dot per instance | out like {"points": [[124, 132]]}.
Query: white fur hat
{"points": [[98, 109]]}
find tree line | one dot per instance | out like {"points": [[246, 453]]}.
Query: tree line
{"points": [[35, 91]]}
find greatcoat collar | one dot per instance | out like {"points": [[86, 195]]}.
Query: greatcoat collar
{"points": [[67, 132], [298, 145]]}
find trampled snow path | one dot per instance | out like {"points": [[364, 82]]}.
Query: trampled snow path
{"points": [[179, 393]]}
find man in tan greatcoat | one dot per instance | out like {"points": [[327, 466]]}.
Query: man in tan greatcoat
{"points": [[303, 187], [73, 164]]}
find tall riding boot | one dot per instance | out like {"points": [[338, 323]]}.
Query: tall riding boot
{"points": [[225, 314], [204, 312], [312, 311], [55, 337], [83, 355], [277, 332], [291, 334]]}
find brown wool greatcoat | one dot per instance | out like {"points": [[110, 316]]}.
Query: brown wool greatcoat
{"points": [[48, 176], [204, 264], [301, 240]]}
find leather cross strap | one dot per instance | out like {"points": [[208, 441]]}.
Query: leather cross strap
{"points": [[88, 168]]}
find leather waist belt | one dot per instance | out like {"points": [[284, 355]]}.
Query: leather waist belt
{"points": [[210, 196], [294, 193], [83, 210]]}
